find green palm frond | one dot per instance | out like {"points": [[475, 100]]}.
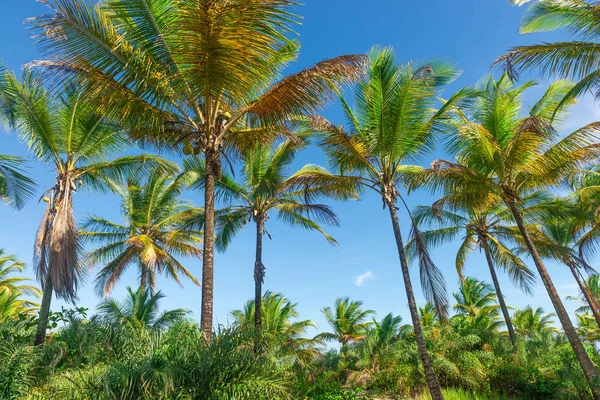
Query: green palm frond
{"points": [[15, 186]]}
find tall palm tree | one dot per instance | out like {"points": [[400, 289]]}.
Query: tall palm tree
{"points": [[155, 233], [502, 156], [392, 124], [485, 229], [476, 303], [577, 59], [267, 189], [348, 320], [15, 187], [140, 310], [203, 75], [279, 324], [68, 134]]}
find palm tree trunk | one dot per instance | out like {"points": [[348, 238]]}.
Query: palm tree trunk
{"points": [[206, 318], [143, 275], [589, 370], [432, 382], [259, 274], [589, 297], [40, 333], [507, 321]]}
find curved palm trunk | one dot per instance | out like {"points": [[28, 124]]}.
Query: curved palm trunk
{"points": [[40, 333], [206, 318], [432, 382], [589, 297], [259, 274], [589, 370], [505, 314]]}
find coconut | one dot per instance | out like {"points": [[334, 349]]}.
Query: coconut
{"points": [[227, 115], [188, 149], [46, 199], [196, 150]]}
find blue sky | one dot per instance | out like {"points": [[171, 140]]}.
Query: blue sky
{"points": [[470, 33]]}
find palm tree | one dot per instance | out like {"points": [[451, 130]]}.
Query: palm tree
{"points": [[9, 265], [577, 59], [503, 157], [428, 315], [476, 304], [12, 288], [393, 123], [348, 320], [266, 189], [15, 187], [556, 238], [279, 324], [485, 229], [534, 323], [203, 75], [12, 305], [380, 338], [67, 133], [155, 233], [140, 310]]}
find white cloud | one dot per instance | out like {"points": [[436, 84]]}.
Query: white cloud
{"points": [[362, 278]]}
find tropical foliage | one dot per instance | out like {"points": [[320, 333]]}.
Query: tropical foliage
{"points": [[206, 78]]}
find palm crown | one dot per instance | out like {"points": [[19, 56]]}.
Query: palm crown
{"points": [[348, 320], [577, 59], [475, 227], [156, 231]]}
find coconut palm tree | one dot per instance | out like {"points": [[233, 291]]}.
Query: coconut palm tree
{"points": [[202, 75], [266, 189], [66, 133], [15, 187], [534, 323], [378, 344], [392, 124], [476, 304], [12, 288], [557, 238], [485, 229], [577, 59], [140, 310], [155, 233], [428, 315], [501, 156], [9, 265], [279, 324], [348, 320]]}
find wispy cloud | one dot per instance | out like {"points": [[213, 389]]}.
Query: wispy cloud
{"points": [[362, 278]]}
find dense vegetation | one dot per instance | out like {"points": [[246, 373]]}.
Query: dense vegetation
{"points": [[203, 78]]}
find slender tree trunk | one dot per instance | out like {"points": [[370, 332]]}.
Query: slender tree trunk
{"points": [[143, 275], [259, 274], [507, 321], [206, 318], [589, 297], [40, 333], [432, 382], [589, 370]]}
